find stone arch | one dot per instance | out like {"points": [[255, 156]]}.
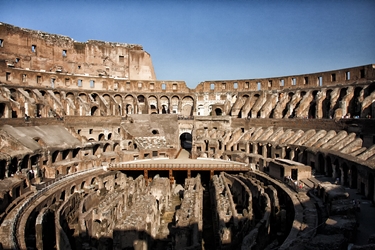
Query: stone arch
{"points": [[116, 147], [313, 106], [187, 106], [153, 104], [354, 107], [107, 147], [345, 174], [326, 104], [353, 176], [186, 140], [95, 97], [164, 105], [200, 109], [95, 111], [101, 137], [321, 164], [118, 100], [218, 111], [83, 97], [129, 105], [72, 189], [175, 102]]}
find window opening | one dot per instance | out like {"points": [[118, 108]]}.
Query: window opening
{"points": [[67, 80], [79, 66], [174, 87], [259, 85], [79, 83], [128, 85], [17, 60], [282, 82], [24, 77], [64, 53], [293, 81], [362, 73], [38, 79], [223, 85], [121, 59], [152, 85], [270, 83], [163, 86], [140, 85], [92, 83], [320, 81], [347, 75], [53, 80], [333, 77], [306, 80], [235, 85], [1, 43], [33, 48], [247, 85], [212, 86]]}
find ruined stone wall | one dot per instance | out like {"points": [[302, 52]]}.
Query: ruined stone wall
{"points": [[321, 79], [44, 52]]}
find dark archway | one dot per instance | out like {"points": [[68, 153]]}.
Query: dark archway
{"points": [[353, 176], [186, 141], [218, 112]]}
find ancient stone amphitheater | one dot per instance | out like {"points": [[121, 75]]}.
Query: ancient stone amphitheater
{"points": [[97, 154]]}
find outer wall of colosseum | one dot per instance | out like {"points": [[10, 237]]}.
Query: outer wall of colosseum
{"points": [[96, 153]]}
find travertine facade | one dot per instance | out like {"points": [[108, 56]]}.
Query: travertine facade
{"points": [[69, 111]]}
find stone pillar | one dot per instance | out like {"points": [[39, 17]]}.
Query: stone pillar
{"points": [[247, 149], [264, 151], [292, 153], [189, 173], [145, 174], [211, 174]]}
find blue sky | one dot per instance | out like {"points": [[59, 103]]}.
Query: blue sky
{"points": [[199, 41]]}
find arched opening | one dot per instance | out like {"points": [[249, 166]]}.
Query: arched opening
{"points": [[62, 195], [95, 150], [345, 170], [55, 156], [141, 99], [106, 148], [3, 164], [2, 110], [101, 137], [218, 112], [326, 104], [95, 111], [312, 108], [355, 104], [186, 141], [353, 177], [370, 186], [337, 171], [329, 167], [155, 132], [321, 164]]}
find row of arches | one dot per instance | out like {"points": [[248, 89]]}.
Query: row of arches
{"points": [[48, 103], [354, 101]]}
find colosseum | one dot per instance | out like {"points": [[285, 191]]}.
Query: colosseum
{"points": [[96, 153]]}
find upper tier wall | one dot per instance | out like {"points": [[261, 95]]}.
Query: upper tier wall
{"points": [[40, 51], [346, 76]]}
